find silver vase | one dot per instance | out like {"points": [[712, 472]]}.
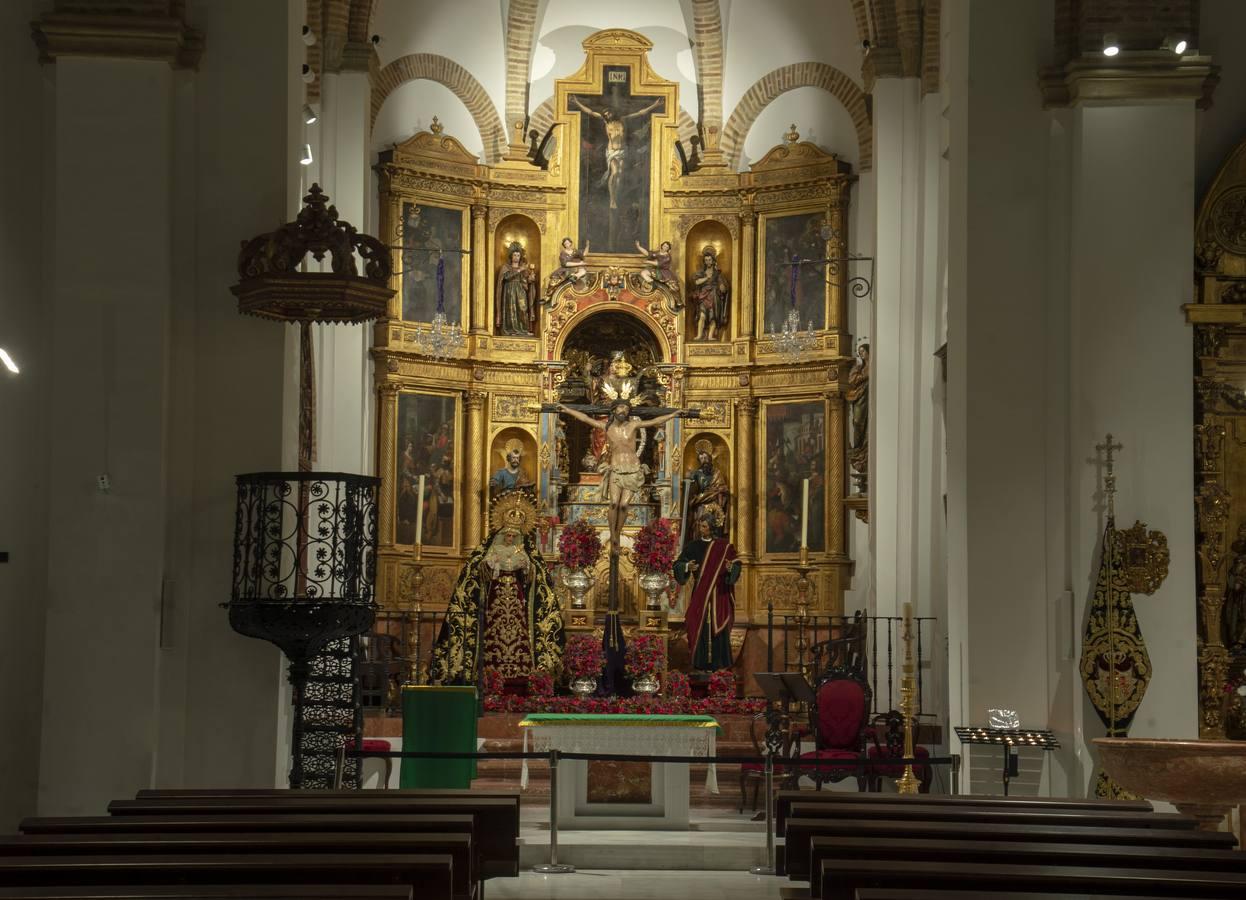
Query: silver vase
{"points": [[583, 685], [646, 684], [578, 582], [653, 584]]}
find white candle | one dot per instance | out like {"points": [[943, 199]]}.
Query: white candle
{"points": [[419, 512], [804, 514], [908, 610]]}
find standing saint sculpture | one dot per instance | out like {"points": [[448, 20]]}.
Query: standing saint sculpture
{"points": [[858, 396], [616, 142], [502, 614], [707, 486], [514, 298], [709, 562], [710, 294], [624, 475], [1233, 618], [511, 476]]}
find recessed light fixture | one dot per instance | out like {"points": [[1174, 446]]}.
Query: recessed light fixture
{"points": [[309, 36], [308, 75], [1111, 44], [307, 155], [310, 116], [8, 361]]}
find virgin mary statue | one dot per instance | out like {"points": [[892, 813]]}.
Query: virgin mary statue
{"points": [[502, 614]]}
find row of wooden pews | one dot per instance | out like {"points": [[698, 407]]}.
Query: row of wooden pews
{"points": [[378, 845], [885, 847]]}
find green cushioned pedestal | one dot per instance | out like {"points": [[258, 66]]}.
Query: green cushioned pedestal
{"points": [[438, 718]]}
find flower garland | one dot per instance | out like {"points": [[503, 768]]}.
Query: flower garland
{"points": [[492, 682], [648, 705], [541, 684], [583, 656], [579, 545], [654, 549], [721, 684], [646, 655]]}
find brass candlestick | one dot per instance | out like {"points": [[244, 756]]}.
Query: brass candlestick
{"points": [[415, 611], [907, 783], [804, 588]]}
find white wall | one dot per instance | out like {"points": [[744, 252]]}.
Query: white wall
{"points": [[411, 108], [25, 331], [819, 117]]}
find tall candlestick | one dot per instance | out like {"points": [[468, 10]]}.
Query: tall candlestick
{"points": [[419, 513], [908, 610], [804, 513]]}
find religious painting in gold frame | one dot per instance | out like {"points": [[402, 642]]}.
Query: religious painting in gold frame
{"points": [[784, 236], [428, 434], [427, 228], [794, 445]]}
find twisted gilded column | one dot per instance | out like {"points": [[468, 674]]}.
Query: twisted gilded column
{"points": [[746, 475], [388, 457], [473, 456], [480, 290], [748, 253]]}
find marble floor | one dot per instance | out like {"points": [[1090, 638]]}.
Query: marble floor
{"points": [[640, 884]]}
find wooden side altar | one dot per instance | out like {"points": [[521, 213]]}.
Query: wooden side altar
{"points": [[771, 420]]}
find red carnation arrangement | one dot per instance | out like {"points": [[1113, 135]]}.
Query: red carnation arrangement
{"points": [[655, 547], [645, 655], [579, 545], [493, 684], [721, 684], [677, 685], [541, 684], [583, 656]]}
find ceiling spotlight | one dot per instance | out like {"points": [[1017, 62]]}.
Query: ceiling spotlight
{"points": [[1111, 45], [8, 361], [1175, 43], [308, 75], [1179, 47], [307, 156], [375, 39], [309, 114], [309, 36]]}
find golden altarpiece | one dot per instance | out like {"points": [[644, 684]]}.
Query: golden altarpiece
{"points": [[615, 181], [1219, 319]]}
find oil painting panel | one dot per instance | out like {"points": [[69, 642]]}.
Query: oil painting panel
{"points": [[795, 450], [788, 237], [427, 436], [426, 230]]}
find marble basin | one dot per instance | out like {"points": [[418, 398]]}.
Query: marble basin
{"points": [[1204, 779]]}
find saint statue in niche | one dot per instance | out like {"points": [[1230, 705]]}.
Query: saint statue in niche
{"points": [[616, 141], [710, 293], [511, 476], [502, 614], [709, 561], [708, 488], [514, 300], [858, 397], [1233, 618]]}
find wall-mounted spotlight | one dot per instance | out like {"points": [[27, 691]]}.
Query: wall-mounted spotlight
{"points": [[1175, 43], [308, 75], [1111, 44], [310, 116], [8, 361], [375, 39], [309, 36], [306, 159]]}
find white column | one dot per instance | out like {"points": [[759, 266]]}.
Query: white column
{"points": [[1131, 367]]}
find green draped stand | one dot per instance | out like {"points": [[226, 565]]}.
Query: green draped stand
{"points": [[438, 718]]}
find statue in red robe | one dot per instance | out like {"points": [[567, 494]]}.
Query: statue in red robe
{"points": [[710, 562]]}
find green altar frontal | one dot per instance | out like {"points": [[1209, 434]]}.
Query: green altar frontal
{"points": [[615, 719], [438, 718]]}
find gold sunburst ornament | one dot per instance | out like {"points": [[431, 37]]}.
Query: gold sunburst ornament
{"points": [[514, 509]]}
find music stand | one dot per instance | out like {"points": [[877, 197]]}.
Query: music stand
{"points": [[1008, 738], [781, 688]]}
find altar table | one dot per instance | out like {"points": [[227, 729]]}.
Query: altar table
{"points": [[437, 718], [667, 803]]}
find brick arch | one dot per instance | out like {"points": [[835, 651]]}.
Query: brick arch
{"points": [[788, 78], [862, 19], [521, 21], [707, 54], [543, 118], [446, 72]]}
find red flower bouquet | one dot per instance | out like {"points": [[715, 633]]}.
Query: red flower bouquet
{"points": [[677, 685], [722, 684], [645, 655], [579, 545], [541, 684], [493, 684], [655, 547], [583, 656]]}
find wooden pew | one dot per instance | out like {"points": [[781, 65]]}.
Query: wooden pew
{"points": [[784, 800], [1067, 855], [398, 794], [497, 818], [211, 892], [430, 877], [800, 833], [905, 894], [981, 815], [840, 879], [457, 846]]}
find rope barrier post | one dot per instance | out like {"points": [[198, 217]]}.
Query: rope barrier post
{"points": [[955, 773], [339, 766], [553, 867], [769, 867]]}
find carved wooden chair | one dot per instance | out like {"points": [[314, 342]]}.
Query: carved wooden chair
{"points": [[890, 726], [838, 722]]}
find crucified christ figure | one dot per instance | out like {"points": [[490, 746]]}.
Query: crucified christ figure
{"points": [[616, 145], [625, 475]]}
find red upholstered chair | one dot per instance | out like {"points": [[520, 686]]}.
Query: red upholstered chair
{"points": [[890, 726], [375, 745], [838, 723]]}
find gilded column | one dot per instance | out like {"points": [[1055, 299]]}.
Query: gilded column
{"points": [[746, 474], [748, 251], [387, 456], [837, 479], [472, 461], [480, 290], [837, 248]]}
